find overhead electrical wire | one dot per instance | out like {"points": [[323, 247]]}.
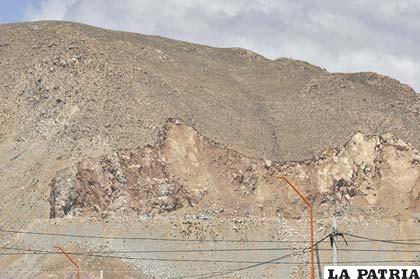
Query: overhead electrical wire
{"points": [[230, 271], [205, 250], [149, 238], [361, 239], [370, 239], [275, 261]]}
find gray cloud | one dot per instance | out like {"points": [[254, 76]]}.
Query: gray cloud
{"points": [[343, 36]]}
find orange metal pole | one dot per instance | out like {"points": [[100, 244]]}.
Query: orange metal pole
{"points": [[311, 220], [71, 260]]}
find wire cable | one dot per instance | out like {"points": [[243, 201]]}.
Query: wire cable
{"points": [[382, 240], [230, 271], [218, 250], [149, 238], [176, 239], [50, 252], [180, 239]]}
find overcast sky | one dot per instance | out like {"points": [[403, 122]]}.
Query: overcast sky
{"points": [[360, 35]]}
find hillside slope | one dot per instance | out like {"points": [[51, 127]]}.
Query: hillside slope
{"points": [[62, 80], [107, 132]]}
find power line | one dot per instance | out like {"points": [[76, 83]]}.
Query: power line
{"points": [[107, 254], [374, 261], [179, 251], [216, 250], [375, 250], [275, 261], [195, 260], [396, 240], [43, 252], [363, 239], [49, 252], [230, 271], [369, 239], [149, 238], [215, 274]]}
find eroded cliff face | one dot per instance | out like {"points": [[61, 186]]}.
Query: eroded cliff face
{"points": [[376, 172], [189, 173]]}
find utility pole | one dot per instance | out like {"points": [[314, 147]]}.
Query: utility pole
{"points": [[311, 221], [71, 260], [334, 241]]}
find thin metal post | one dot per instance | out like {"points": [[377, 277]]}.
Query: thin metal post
{"points": [[318, 260], [335, 241]]}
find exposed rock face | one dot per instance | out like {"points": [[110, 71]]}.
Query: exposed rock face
{"points": [[185, 169], [115, 184], [92, 184], [379, 171]]}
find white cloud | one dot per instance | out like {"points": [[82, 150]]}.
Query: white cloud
{"points": [[55, 9], [360, 35]]}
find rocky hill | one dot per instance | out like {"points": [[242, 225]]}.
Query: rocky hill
{"points": [[100, 129]]}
